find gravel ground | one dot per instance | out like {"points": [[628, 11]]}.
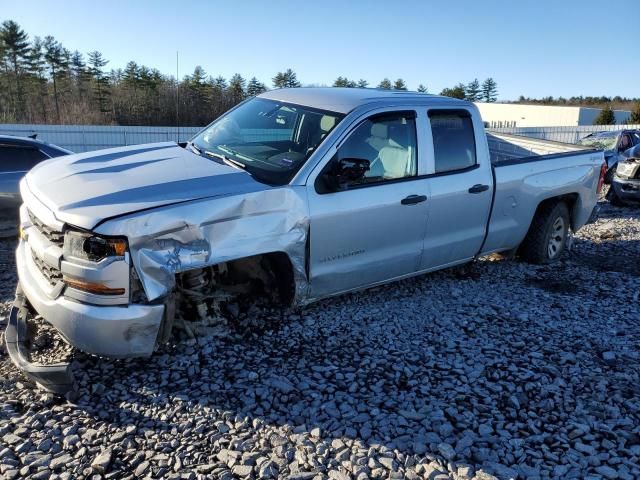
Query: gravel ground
{"points": [[501, 370]]}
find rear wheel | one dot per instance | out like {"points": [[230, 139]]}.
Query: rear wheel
{"points": [[547, 235]]}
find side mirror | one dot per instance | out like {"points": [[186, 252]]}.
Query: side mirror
{"points": [[346, 171]]}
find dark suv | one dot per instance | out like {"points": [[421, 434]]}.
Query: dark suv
{"points": [[613, 143], [18, 155]]}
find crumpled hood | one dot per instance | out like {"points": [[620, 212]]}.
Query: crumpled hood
{"points": [[87, 188]]}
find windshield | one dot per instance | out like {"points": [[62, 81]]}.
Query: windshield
{"points": [[600, 142], [269, 139]]}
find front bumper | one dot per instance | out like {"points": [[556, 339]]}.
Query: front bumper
{"points": [[57, 377], [104, 330], [626, 188]]}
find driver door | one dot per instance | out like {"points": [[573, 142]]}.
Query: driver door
{"points": [[372, 229]]}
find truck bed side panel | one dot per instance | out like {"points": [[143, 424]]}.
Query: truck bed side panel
{"points": [[522, 186]]}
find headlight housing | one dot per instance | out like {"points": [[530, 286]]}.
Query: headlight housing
{"points": [[624, 169], [87, 246]]}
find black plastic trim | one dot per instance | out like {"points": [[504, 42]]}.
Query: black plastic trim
{"points": [[56, 378], [540, 158], [491, 207]]}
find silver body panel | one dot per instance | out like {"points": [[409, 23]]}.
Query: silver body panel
{"points": [[180, 211]]}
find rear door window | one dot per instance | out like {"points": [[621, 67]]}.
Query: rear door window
{"points": [[454, 142], [19, 159]]}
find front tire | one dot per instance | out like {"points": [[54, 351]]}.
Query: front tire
{"points": [[547, 236]]}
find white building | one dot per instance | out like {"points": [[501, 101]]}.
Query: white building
{"points": [[496, 115]]}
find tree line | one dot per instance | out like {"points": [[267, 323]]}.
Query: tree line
{"points": [[41, 81], [606, 104], [473, 91]]}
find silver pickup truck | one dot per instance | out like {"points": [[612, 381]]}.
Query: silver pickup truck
{"points": [[295, 195]]}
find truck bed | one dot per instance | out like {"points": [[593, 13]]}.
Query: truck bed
{"points": [[506, 149], [526, 172]]}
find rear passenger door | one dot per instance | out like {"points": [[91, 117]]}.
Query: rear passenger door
{"points": [[461, 187]]}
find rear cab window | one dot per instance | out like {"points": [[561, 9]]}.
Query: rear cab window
{"points": [[454, 144]]}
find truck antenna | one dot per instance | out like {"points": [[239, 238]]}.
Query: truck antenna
{"points": [[178, 94]]}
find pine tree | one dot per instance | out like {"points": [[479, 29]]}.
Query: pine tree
{"points": [[101, 82], [489, 91], [344, 82], [340, 82], [16, 50], [422, 88], [54, 56], [77, 65], [237, 88], [362, 83], [456, 92], [605, 117], [255, 87], [634, 118], [197, 80], [385, 84], [286, 79], [278, 80], [131, 74], [38, 70], [473, 91], [220, 83], [399, 85]]}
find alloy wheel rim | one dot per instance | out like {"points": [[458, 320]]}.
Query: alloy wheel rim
{"points": [[556, 238]]}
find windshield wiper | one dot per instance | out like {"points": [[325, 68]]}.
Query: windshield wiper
{"points": [[226, 160], [211, 154], [235, 163], [226, 149]]}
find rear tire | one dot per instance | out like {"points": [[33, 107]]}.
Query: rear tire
{"points": [[547, 235]]}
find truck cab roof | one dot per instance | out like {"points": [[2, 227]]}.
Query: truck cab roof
{"points": [[344, 100]]}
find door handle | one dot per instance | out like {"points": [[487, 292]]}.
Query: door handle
{"points": [[413, 199], [479, 188]]}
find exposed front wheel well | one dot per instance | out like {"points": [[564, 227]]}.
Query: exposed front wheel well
{"points": [[209, 297], [268, 273]]}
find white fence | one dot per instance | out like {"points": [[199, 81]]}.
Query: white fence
{"points": [[561, 134], [83, 138]]}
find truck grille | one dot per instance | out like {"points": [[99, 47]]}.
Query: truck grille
{"points": [[55, 237], [53, 275]]}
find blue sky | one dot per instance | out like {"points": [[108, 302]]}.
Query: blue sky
{"points": [[534, 48]]}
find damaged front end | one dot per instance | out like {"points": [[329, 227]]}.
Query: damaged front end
{"points": [[626, 179], [198, 268]]}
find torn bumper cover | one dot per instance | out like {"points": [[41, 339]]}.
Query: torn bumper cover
{"points": [[57, 377]]}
